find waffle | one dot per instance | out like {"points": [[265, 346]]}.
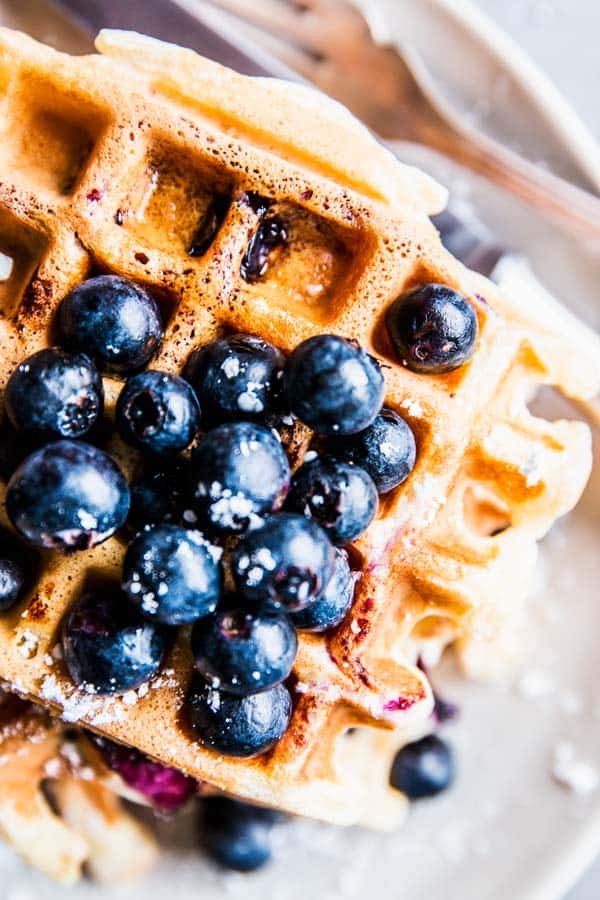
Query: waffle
{"points": [[58, 803], [112, 163]]}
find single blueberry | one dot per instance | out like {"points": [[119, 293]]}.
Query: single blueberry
{"points": [[341, 497], [107, 646], [173, 575], [333, 385], [67, 496], [289, 561], [165, 788], [238, 726], [330, 609], [54, 393], [158, 497], [432, 328], [423, 768], [12, 582], [269, 237], [237, 377], [113, 320], [242, 651], [386, 450], [158, 413], [237, 835], [238, 474]]}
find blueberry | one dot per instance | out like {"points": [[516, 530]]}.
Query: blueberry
{"points": [[341, 497], [53, 393], [158, 496], [242, 651], [167, 789], [238, 726], [433, 329], [113, 320], [386, 450], [107, 647], [157, 412], [238, 377], [12, 580], [423, 768], [67, 496], [289, 561], [239, 473], [172, 575], [333, 385], [237, 835], [330, 609], [269, 237]]}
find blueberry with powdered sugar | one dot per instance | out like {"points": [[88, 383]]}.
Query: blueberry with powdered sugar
{"points": [[238, 726], [67, 496], [108, 647], [237, 377], [331, 608], [173, 575], [244, 651], [158, 413], [238, 474], [288, 561]]}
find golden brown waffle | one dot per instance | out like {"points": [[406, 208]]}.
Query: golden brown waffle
{"points": [[110, 163], [58, 805]]}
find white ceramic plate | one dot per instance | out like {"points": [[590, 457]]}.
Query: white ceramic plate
{"points": [[507, 829]]}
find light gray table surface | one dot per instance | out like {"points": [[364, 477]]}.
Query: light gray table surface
{"points": [[561, 35]]}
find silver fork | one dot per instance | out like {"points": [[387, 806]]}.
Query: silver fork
{"points": [[330, 43]]}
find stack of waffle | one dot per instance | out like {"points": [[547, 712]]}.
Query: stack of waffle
{"points": [[111, 163]]}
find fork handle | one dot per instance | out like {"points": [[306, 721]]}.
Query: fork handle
{"points": [[569, 206]]}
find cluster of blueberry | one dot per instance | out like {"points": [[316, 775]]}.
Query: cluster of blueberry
{"points": [[283, 534]]}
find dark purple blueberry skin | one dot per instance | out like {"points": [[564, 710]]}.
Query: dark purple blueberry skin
{"points": [[433, 329], [242, 651], [237, 835], [113, 320], [172, 575], [289, 561], [12, 582], [158, 413], [67, 496], [167, 789], [330, 609], [333, 386], [386, 450], [158, 496], [268, 237], [340, 497], [54, 394], [107, 646], [237, 377], [238, 474], [424, 768], [241, 727]]}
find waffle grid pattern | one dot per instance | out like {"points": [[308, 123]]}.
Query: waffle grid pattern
{"points": [[118, 176]]}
